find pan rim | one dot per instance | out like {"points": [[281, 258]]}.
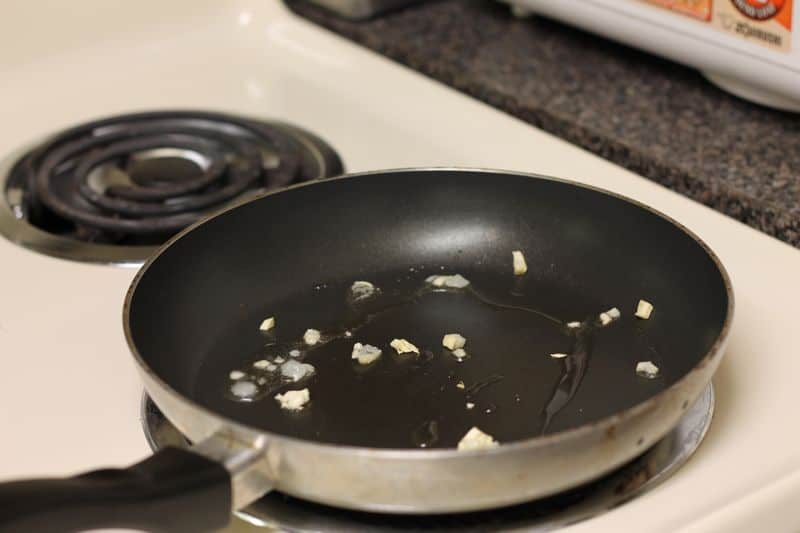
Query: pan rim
{"points": [[544, 441]]}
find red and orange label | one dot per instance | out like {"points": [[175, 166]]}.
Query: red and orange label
{"points": [[761, 9], [699, 9], [765, 22]]}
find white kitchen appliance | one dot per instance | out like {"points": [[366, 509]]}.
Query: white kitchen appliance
{"points": [[70, 397], [750, 48]]}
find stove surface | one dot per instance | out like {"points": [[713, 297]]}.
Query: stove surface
{"points": [[68, 388]]}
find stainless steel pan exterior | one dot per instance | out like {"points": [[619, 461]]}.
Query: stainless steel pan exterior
{"points": [[430, 481]]}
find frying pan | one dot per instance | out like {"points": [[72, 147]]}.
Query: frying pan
{"points": [[192, 316]]}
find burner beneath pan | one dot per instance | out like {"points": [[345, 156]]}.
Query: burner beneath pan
{"points": [[113, 189], [285, 513]]}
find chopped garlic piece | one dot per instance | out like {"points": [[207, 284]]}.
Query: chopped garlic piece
{"points": [[453, 341], [244, 389], [470, 405], [279, 359], [475, 439], [609, 316], [520, 266], [293, 400], [267, 324], [643, 309], [365, 353], [436, 281], [558, 355], [236, 374], [403, 346], [348, 334], [573, 325], [460, 385], [263, 364], [456, 281], [647, 369], [460, 353], [295, 370], [311, 336], [294, 353], [362, 289]]}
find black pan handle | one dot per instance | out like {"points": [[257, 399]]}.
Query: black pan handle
{"points": [[174, 490]]}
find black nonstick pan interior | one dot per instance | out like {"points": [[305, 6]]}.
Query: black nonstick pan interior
{"points": [[195, 314]]}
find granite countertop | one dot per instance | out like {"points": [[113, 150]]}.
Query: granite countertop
{"points": [[656, 118]]}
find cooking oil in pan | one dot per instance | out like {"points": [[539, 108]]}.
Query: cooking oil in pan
{"points": [[507, 385]]}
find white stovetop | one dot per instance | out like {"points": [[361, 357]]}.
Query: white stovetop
{"points": [[69, 395]]}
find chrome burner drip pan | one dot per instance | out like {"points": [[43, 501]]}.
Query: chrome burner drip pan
{"points": [[113, 190]]}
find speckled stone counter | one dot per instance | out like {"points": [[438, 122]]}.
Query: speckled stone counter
{"points": [[656, 118]]}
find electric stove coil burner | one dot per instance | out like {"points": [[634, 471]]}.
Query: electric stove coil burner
{"points": [[285, 513], [135, 180]]}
